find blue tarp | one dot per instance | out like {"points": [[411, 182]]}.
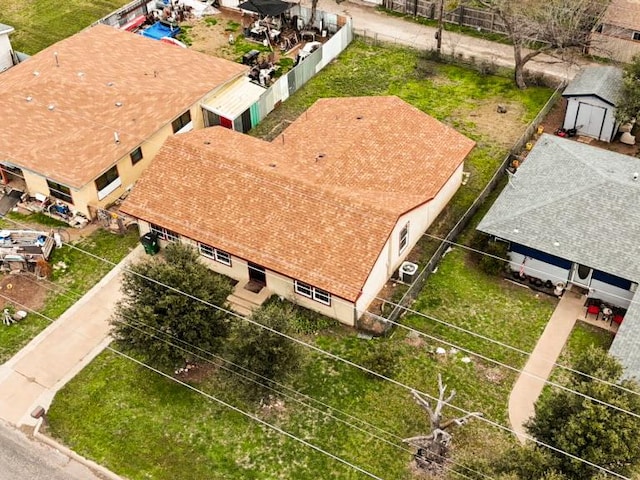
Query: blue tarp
{"points": [[159, 30]]}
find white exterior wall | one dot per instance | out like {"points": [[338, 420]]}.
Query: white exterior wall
{"points": [[609, 125], [545, 271], [390, 258], [539, 269], [610, 294], [281, 285], [6, 60]]}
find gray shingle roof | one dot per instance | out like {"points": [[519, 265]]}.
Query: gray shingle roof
{"points": [[626, 345], [574, 201], [603, 82]]}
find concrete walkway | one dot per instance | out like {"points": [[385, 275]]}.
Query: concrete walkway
{"points": [[532, 379], [33, 376], [369, 21]]}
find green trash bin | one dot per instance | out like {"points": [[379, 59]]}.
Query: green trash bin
{"points": [[150, 243]]}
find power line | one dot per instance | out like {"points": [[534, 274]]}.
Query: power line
{"points": [[478, 355], [355, 365], [362, 430]]}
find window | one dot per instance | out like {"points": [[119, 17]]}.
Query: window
{"points": [[60, 191], [164, 233], [306, 290], [214, 254], [182, 122], [636, 35], [136, 155], [404, 238], [108, 182]]}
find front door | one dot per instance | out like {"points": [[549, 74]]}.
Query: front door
{"points": [[257, 273], [581, 275]]}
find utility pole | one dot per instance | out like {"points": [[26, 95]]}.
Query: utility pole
{"points": [[439, 32]]}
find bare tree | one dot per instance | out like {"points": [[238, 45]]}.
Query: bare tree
{"points": [[432, 449], [555, 27]]}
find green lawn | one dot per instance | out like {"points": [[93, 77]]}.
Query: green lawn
{"points": [[68, 285], [40, 23], [143, 426]]}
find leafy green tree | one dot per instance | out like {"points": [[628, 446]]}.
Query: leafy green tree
{"points": [[587, 429], [159, 323], [261, 353], [630, 107]]}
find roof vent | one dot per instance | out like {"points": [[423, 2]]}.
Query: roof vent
{"points": [[116, 137], [207, 142], [635, 176], [273, 165], [51, 106], [320, 156], [109, 84], [359, 117], [118, 104], [29, 98], [36, 73], [55, 54]]}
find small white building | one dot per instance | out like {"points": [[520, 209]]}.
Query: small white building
{"points": [[322, 215], [6, 52], [592, 97]]}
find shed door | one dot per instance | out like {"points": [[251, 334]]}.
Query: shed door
{"points": [[590, 120]]}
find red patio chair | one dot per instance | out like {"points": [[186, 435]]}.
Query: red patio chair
{"points": [[617, 319], [594, 310]]}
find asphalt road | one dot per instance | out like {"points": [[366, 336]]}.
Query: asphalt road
{"points": [[24, 459]]}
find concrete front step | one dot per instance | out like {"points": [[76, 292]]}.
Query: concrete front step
{"points": [[244, 311], [233, 299]]}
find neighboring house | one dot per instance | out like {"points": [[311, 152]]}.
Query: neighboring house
{"points": [[7, 59], [83, 118], [570, 214], [324, 214], [592, 97], [618, 35]]}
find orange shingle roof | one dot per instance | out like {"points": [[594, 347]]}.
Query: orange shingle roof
{"points": [[74, 142], [320, 219]]}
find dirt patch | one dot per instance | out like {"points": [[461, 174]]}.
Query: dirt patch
{"points": [[213, 39], [22, 291], [196, 372], [502, 128]]}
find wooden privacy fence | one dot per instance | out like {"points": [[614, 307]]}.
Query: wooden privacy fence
{"points": [[464, 16], [418, 284]]}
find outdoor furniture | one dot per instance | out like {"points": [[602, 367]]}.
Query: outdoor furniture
{"points": [[308, 33], [593, 310], [607, 314]]}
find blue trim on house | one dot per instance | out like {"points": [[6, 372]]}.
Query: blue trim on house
{"points": [[539, 255], [611, 280]]}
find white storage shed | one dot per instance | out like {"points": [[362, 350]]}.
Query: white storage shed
{"points": [[6, 53], [592, 97]]}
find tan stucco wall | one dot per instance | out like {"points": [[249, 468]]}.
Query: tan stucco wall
{"points": [[278, 284], [620, 49], [86, 200]]}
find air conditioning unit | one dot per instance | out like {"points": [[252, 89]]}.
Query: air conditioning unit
{"points": [[408, 272]]}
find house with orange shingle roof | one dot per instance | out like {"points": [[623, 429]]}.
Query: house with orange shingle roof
{"points": [[618, 33], [83, 118], [323, 215]]}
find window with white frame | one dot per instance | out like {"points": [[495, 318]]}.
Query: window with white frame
{"points": [[108, 182], [636, 35], [164, 233], [214, 254], [317, 294], [404, 238]]}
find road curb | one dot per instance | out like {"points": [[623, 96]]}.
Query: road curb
{"points": [[97, 468]]}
